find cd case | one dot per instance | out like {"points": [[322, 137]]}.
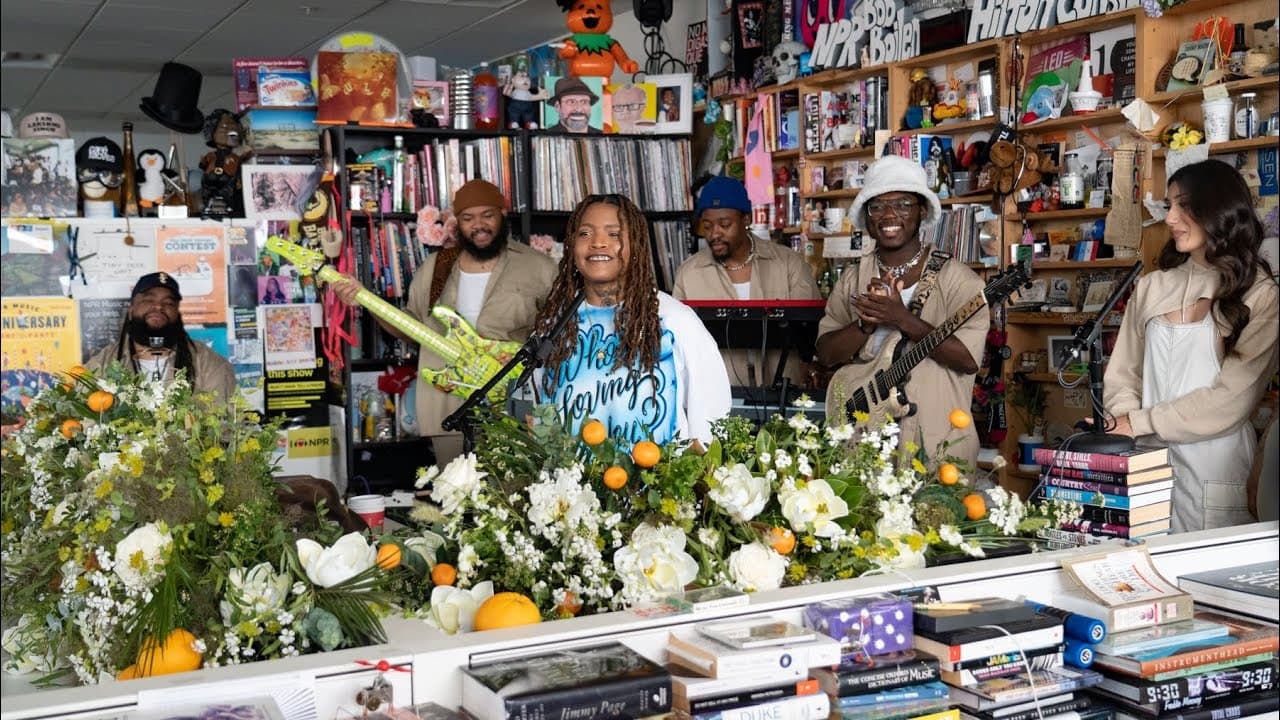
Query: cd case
{"points": [[710, 598], [755, 632]]}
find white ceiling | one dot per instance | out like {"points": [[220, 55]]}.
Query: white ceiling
{"points": [[111, 51]]}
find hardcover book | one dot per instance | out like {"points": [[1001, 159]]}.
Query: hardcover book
{"points": [[884, 672], [754, 632], [1251, 589], [1047, 631], [965, 678], [800, 707], [1100, 499], [1140, 458], [925, 709], [945, 617], [1109, 488], [1244, 638], [602, 681], [925, 691], [1193, 691], [1159, 636], [1138, 477], [1021, 688], [1255, 704], [713, 659], [743, 698]]}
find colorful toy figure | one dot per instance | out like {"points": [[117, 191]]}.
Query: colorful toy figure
{"points": [[591, 52], [522, 100]]}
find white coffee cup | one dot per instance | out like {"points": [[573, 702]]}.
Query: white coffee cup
{"points": [[833, 218], [371, 508]]}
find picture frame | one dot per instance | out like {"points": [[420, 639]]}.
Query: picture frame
{"points": [[630, 108], [274, 192], [1058, 345], [674, 109], [1095, 296], [551, 118], [432, 96]]}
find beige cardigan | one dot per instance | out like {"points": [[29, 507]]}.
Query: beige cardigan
{"points": [[1210, 411]]}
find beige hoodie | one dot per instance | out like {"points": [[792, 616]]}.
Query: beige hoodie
{"points": [[1210, 411]]}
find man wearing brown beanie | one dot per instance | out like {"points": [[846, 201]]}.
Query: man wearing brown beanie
{"points": [[496, 284]]}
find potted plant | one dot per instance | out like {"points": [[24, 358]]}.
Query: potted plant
{"points": [[1028, 399]]}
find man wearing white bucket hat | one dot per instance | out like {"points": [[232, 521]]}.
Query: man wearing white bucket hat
{"points": [[903, 289]]}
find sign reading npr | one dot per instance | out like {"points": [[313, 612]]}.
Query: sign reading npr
{"points": [[884, 29], [997, 18]]}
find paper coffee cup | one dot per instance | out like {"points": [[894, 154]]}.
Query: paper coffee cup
{"points": [[371, 508], [834, 219]]}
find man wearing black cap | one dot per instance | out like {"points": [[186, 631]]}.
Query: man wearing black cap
{"points": [[153, 341], [573, 101]]}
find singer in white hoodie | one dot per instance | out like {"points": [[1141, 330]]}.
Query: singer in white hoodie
{"points": [[1197, 346]]}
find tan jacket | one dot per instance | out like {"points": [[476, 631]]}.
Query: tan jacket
{"points": [[518, 287], [211, 372], [936, 390], [776, 273], [1210, 411]]}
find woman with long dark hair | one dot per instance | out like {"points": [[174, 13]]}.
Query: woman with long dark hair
{"points": [[630, 356], [1197, 345]]}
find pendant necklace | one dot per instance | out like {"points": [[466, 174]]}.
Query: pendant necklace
{"points": [[897, 271], [750, 256]]}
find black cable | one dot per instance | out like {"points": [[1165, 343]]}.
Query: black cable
{"points": [[657, 60]]}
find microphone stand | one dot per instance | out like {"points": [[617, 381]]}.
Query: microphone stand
{"points": [[533, 354], [1089, 336]]}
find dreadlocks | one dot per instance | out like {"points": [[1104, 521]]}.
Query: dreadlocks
{"points": [[635, 316]]}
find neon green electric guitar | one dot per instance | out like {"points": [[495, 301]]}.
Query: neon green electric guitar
{"points": [[469, 360]]}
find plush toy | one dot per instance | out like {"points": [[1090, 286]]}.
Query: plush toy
{"points": [[591, 52], [151, 164], [921, 97], [221, 167], [522, 100]]}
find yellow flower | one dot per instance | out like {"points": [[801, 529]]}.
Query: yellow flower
{"points": [[910, 447], [250, 445], [104, 489], [6, 526], [64, 553], [226, 519], [102, 525], [214, 494], [915, 541], [860, 417], [917, 465], [206, 476], [668, 506], [212, 454]]}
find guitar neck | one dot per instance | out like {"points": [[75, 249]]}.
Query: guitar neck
{"points": [[897, 372], [397, 318]]}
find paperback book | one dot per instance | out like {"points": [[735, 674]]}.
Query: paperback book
{"points": [[1021, 688], [944, 617], [926, 691], [1251, 589], [876, 673], [755, 632], [1193, 691], [712, 658], [1159, 636], [1123, 589], [744, 698], [1245, 638]]}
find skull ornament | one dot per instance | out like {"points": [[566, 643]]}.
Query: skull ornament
{"points": [[786, 60]]}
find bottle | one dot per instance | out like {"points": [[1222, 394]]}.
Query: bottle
{"points": [[1247, 116], [826, 281], [397, 177], [486, 99], [1072, 182], [129, 185]]}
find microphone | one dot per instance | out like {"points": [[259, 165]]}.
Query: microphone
{"points": [[540, 346], [156, 342], [1087, 333]]}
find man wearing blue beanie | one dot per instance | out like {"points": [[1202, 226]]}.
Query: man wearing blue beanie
{"points": [[736, 266]]}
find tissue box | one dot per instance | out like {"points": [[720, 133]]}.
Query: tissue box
{"points": [[869, 625]]}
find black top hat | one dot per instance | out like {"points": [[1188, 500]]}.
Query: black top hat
{"points": [[173, 104]]}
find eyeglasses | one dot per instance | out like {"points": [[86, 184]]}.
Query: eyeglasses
{"points": [[880, 208], [631, 107], [106, 177]]}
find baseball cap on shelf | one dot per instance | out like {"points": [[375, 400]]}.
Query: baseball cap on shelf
{"points": [[43, 125], [100, 153], [155, 280]]}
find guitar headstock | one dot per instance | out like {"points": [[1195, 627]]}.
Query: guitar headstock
{"points": [[306, 260], [1003, 285]]}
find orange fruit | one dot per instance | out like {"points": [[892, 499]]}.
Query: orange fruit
{"points": [[959, 419], [594, 432], [70, 428], [129, 673], [646, 453], [176, 654], [570, 606], [948, 474], [76, 371], [615, 478], [389, 556], [444, 574], [506, 609], [975, 507], [782, 540], [100, 401]]}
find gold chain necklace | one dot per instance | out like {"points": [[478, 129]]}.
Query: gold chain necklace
{"points": [[750, 256], [897, 271]]}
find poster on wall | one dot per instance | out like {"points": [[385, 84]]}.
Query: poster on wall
{"points": [[101, 320], [290, 342], [112, 258], [196, 258], [40, 337], [34, 258], [578, 100]]}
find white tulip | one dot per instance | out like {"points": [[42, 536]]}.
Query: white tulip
{"points": [[454, 609], [814, 507], [329, 566]]}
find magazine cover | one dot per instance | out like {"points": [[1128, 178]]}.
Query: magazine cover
{"points": [[39, 178]]}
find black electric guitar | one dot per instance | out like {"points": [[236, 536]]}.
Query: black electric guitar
{"points": [[876, 387]]}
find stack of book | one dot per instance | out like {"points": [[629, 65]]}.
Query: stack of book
{"points": [[1125, 495], [900, 685], [1003, 660], [749, 668], [1252, 590], [1212, 666], [602, 681]]}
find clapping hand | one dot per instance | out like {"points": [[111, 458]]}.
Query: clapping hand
{"points": [[882, 304]]}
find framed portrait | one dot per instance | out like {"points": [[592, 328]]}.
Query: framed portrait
{"points": [[1096, 295], [674, 109], [630, 108], [1059, 347], [581, 101], [275, 192], [432, 96]]}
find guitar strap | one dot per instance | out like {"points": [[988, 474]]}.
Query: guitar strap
{"points": [[928, 280], [445, 260]]}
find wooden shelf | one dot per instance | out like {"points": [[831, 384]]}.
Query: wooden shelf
{"points": [[1082, 264], [840, 76], [787, 154], [1196, 94], [983, 49], [1049, 377], [1257, 143], [1086, 25], [1052, 318], [951, 127], [981, 198], [841, 154], [830, 194], [1101, 117], [1080, 214]]}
